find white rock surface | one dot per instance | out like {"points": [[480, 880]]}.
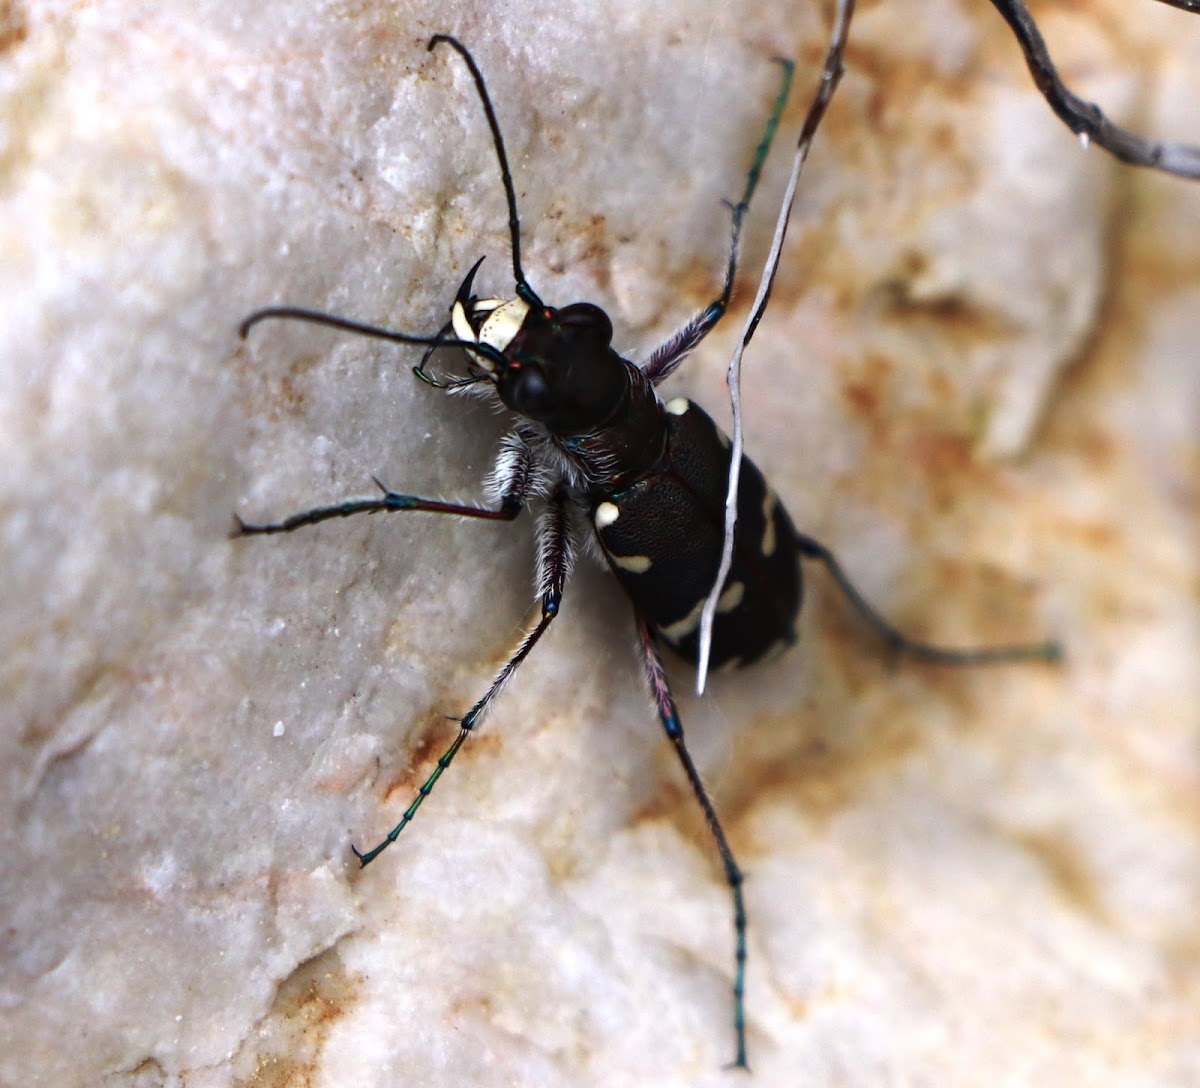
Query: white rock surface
{"points": [[978, 383]]}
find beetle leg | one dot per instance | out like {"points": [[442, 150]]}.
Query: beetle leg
{"points": [[556, 554], [1049, 651], [667, 356], [512, 482], [669, 716]]}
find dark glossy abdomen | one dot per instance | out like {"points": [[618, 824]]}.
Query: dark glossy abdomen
{"points": [[662, 538]]}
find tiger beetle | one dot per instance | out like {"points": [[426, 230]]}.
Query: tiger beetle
{"points": [[593, 441]]}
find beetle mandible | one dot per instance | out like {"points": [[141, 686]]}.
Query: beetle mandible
{"points": [[594, 443]]}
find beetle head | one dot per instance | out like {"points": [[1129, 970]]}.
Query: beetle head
{"points": [[553, 366]]}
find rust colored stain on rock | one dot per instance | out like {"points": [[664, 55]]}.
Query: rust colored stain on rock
{"points": [[287, 1049], [14, 25]]}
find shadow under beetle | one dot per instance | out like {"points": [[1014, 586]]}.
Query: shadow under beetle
{"points": [[594, 441]]}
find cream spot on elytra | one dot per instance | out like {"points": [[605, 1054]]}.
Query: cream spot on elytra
{"points": [[606, 514], [635, 564]]}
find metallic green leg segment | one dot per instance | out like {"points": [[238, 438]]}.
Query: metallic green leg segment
{"points": [[1048, 651], [668, 355], [555, 554], [426, 789]]}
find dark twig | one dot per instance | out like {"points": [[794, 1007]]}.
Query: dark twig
{"points": [[1184, 5], [1085, 118]]}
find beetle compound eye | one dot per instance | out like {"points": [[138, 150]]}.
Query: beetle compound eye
{"points": [[583, 320], [530, 394]]}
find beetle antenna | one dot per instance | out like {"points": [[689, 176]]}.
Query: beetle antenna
{"points": [[524, 291], [376, 332], [1085, 118]]}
